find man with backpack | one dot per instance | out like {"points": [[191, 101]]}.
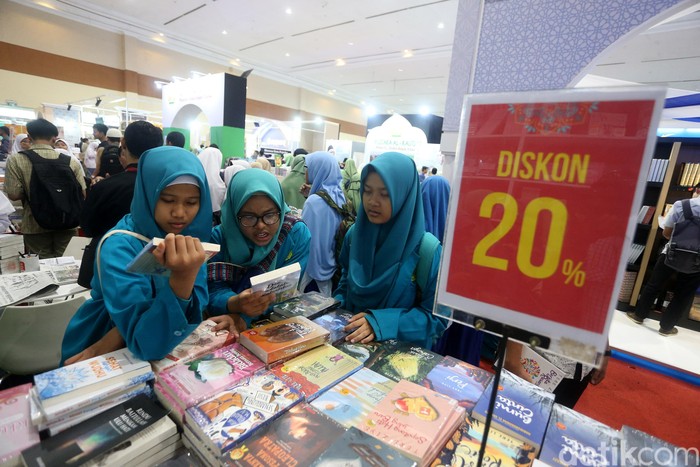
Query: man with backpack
{"points": [[680, 256], [107, 160], [51, 188]]}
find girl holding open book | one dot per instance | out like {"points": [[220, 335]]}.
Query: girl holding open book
{"points": [[382, 259], [150, 314], [256, 235]]}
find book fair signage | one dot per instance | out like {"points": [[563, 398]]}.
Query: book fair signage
{"points": [[544, 199]]}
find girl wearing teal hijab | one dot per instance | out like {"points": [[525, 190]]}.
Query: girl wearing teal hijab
{"points": [[380, 255], [150, 314], [292, 183], [351, 184], [256, 235]]}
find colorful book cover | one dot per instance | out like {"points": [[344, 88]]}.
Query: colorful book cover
{"points": [[95, 436], [120, 367], [357, 448], [573, 438], [401, 360], [351, 400], [16, 426], [363, 352], [297, 437], [205, 376], [540, 371], [200, 342], [463, 447], [414, 419], [314, 371], [282, 282], [458, 380], [310, 305], [233, 414], [640, 448], [521, 409], [335, 321], [283, 339]]}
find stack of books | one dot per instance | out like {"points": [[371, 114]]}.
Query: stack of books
{"points": [[10, 247], [188, 383], [66, 396], [334, 322], [309, 305], [16, 427], [356, 447], [414, 420]]}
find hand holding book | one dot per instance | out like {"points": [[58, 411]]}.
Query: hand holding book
{"points": [[250, 303], [183, 256]]}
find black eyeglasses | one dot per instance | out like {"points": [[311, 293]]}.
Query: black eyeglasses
{"points": [[270, 218]]}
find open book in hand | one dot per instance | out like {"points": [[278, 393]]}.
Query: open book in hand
{"points": [[283, 282], [146, 263]]}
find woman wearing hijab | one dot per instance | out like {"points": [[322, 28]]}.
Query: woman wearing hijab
{"points": [[264, 163], [351, 184], [21, 143], [292, 183], [235, 167], [380, 256], [256, 235], [323, 174], [152, 313], [436, 196], [91, 157], [211, 161]]}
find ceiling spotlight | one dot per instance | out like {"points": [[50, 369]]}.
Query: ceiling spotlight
{"points": [[407, 53], [339, 62], [246, 73], [69, 106], [98, 101]]}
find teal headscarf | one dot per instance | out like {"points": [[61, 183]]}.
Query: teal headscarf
{"points": [[379, 251], [158, 167], [293, 182], [239, 250]]}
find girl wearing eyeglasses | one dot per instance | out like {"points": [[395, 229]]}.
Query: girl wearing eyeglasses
{"points": [[256, 235]]}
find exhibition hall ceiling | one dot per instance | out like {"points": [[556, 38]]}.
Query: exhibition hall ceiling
{"points": [[393, 55]]}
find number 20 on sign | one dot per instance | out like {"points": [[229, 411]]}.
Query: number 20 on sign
{"points": [[573, 272]]}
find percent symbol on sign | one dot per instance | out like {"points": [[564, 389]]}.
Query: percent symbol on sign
{"points": [[573, 272]]}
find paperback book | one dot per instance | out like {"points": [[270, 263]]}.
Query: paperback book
{"points": [[313, 372], [357, 448], [297, 437], [284, 339], [401, 360], [459, 380], [309, 304], [351, 400], [539, 370], [145, 261], [282, 282], [573, 438], [200, 342], [233, 414], [95, 436], [203, 377], [521, 409], [334, 322], [16, 427], [415, 420], [365, 353]]}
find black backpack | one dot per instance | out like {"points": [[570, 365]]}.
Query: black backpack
{"points": [[683, 253], [347, 219], [109, 162], [55, 196]]}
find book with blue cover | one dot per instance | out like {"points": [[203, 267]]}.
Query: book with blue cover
{"points": [[459, 380], [521, 410], [357, 448], [573, 438], [334, 322]]}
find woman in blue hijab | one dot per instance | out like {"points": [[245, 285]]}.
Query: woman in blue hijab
{"points": [[152, 314], [380, 257], [323, 174], [436, 196], [256, 235]]}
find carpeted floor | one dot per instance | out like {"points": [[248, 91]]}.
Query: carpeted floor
{"points": [[662, 406]]}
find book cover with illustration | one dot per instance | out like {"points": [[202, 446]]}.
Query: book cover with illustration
{"points": [[645, 449], [502, 450], [201, 378], [119, 369], [16, 426], [458, 380], [282, 282], [539, 370], [145, 261], [95, 436], [521, 410], [200, 342], [351, 400], [366, 353], [313, 372], [234, 413], [573, 438], [309, 304], [401, 360], [335, 321], [415, 420], [297, 437], [357, 448], [283, 339]]}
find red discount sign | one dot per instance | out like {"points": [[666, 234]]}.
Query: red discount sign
{"points": [[542, 208]]}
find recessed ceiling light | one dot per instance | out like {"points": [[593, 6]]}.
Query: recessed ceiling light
{"points": [[351, 43], [339, 62], [46, 5], [441, 25], [400, 69], [161, 34], [407, 53], [288, 11], [287, 54], [224, 32], [424, 110]]}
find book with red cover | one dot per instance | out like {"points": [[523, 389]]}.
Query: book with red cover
{"points": [[16, 426], [283, 339]]}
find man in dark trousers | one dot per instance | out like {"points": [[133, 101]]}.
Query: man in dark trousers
{"points": [[110, 199]]}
